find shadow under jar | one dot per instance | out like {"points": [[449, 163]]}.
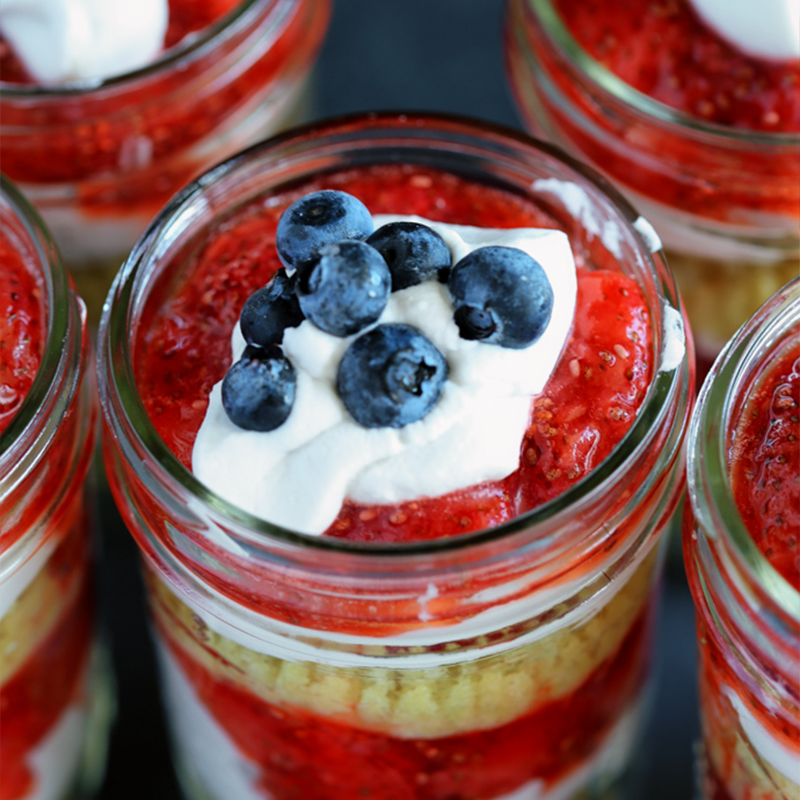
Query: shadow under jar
{"points": [[55, 696], [508, 659], [98, 159], [724, 198], [741, 549]]}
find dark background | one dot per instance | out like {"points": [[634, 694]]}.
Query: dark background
{"points": [[437, 55]]}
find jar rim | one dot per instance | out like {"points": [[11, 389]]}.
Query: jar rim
{"points": [[225, 26], [118, 385], [607, 81], [708, 478], [45, 386]]}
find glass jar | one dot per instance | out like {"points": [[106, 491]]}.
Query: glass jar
{"points": [[725, 201], [514, 659], [55, 699], [98, 160], [748, 613]]}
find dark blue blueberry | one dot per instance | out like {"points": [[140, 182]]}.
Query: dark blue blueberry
{"points": [[258, 390], [414, 252], [391, 376], [346, 289], [318, 219], [501, 296], [270, 310]]}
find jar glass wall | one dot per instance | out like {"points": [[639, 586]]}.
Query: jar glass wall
{"points": [[55, 699], [473, 666], [748, 612], [725, 200], [99, 160]]}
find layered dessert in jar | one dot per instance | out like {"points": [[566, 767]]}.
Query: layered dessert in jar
{"points": [[108, 109], [692, 107], [397, 430], [741, 545], [54, 695]]}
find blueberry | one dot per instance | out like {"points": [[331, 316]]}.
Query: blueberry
{"points": [[345, 289], [258, 390], [318, 219], [414, 252], [391, 376], [270, 310], [501, 296]]}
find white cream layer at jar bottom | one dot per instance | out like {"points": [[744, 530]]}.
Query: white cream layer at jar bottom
{"points": [[55, 761], [223, 772]]}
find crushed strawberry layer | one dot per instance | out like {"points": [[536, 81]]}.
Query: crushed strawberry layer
{"points": [[765, 464], [21, 333], [183, 349], [663, 49]]}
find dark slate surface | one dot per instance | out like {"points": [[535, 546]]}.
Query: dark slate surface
{"points": [[440, 55]]}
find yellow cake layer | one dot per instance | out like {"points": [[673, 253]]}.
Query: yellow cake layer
{"points": [[720, 297], [33, 614]]}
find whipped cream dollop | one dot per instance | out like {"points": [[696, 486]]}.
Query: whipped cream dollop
{"points": [[62, 41], [768, 29], [299, 474]]}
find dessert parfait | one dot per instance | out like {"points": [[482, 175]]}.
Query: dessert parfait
{"points": [[54, 695], [108, 109], [741, 545], [397, 432], [692, 107]]}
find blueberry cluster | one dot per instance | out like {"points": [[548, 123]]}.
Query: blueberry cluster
{"points": [[338, 273]]}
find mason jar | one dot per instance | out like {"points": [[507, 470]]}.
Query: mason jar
{"points": [[55, 698], [512, 661], [98, 159], [725, 200], [747, 602]]}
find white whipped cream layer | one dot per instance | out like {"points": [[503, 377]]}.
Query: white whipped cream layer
{"points": [[768, 29], [202, 744], [299, 475], [62, 41], [16, 576], [56, 759], [780, 757]]}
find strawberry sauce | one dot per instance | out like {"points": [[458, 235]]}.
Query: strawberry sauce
{"points": [[21, 333], [765, 465]]}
